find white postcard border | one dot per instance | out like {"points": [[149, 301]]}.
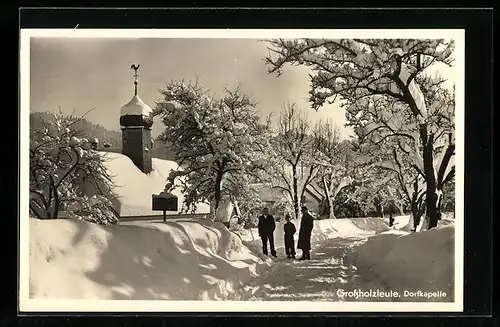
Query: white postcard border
{"points": [[31, 305]]}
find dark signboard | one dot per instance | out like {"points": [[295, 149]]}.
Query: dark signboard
{"points": [[165, 202]]}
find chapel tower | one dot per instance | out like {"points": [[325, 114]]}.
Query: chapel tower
{"points": [[136, 120]]}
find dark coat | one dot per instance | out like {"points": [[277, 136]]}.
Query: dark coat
{"points": [[267, 225], [306, 226], [289, 229]]}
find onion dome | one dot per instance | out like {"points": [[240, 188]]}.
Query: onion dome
{"points": [[136, 112]]}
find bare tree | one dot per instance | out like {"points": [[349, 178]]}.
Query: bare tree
{"points": [[411, 183], [336, 161], [293, 167]]}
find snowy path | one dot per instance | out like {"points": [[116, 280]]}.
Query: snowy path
{"points": [[319, 279]]}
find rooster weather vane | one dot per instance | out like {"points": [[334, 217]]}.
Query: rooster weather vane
{"points": [[135, 68]]}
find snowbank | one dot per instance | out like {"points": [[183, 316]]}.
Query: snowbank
{"points": [[135, 188], [412, 262], [176, 260], [375, 224]]}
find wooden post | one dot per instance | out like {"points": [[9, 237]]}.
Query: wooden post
{"points": [[164, 215]]}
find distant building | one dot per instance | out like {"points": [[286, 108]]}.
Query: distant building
{"points": [[313, 198], [271, 196]]}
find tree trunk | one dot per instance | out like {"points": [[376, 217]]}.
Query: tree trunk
{"points": [[224, 211], [432, 211], [401, 210], [296, 201], [238, 211], [415, 212], [237, 208], [328, 199], [439, 204], [56, 204], [217, 193], [52, 206]]}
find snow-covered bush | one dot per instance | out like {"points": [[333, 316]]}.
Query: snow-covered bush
{"points": [[67, 174]]}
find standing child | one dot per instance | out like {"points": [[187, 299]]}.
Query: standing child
{"points": [[289, 232]]}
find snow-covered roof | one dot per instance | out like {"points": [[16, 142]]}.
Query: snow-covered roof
{"points": [[128, 179], [136, 107], [314, 192]]}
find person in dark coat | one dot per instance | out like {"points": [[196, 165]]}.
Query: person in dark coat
{"points": [[306, 226], [290, 230], [266, 228]]}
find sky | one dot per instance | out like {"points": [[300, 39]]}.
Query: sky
{"points": [[80, 74]]}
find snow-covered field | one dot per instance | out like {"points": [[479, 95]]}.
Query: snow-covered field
{"points": [[202, 260], [72, 259], [129, 179]]}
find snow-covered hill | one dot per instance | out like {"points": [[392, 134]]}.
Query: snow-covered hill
{"points": [[135, 188]]}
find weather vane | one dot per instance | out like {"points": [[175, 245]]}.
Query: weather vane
{"points": [[136, 75]]}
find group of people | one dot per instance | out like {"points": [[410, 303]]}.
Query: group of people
{"points": [[266, 228]]}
